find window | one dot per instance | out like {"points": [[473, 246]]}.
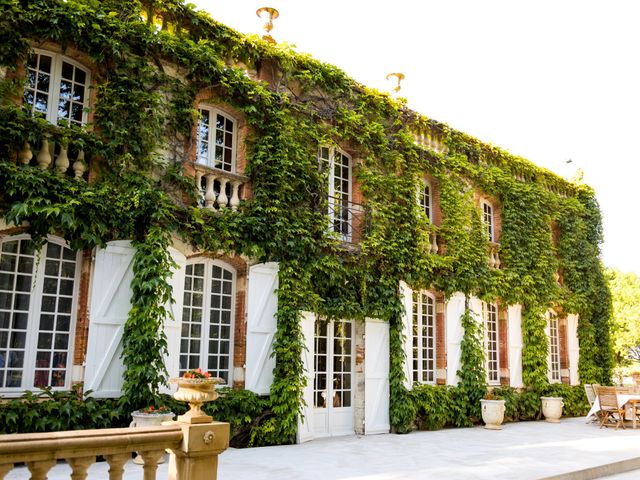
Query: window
{"points": [[216, 140], [207, 319], [554, 348], [338, 166], [37, 313], [424, 198], [56, 88], [491, 344], [424, 337], [487, 219]]}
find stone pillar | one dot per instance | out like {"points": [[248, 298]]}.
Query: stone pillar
{"points": [[197, 457]]}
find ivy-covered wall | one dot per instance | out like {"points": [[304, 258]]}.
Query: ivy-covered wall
{"points": [[147, 80]]}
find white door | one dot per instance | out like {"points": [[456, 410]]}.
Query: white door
{"points": [[305, 419], [333, 381], [110, 304], [376, 377], [262, 299]]}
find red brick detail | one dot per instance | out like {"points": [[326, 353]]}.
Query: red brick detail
{"points": [[441, 342], [82, 311], [564, 349], [503, 347]]}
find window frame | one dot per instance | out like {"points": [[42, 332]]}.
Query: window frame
{"points": [[53, 97], [330, 165], [488, 219], [426, 207], [204, 353], [553, 358], [488, 349], [34, 312], [213, 112], [418, 341]]}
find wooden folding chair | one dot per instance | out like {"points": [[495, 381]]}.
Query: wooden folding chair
{"points": [[591, 393], [609, 407]]}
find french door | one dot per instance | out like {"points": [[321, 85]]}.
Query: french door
{"points": [[333, 379]]}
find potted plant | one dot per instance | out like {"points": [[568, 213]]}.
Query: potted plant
{"points": [[492, 411], [552, 408], [196, 387], [149, 417]]}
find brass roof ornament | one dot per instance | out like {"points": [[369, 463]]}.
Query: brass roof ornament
{"points": [[268, 14], [398, 78]]}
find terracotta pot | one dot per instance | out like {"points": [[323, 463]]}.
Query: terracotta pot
{"points": [[492, 413], [552, 408]]}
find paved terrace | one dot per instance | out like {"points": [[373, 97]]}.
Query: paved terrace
{"points": [[525, 450]]}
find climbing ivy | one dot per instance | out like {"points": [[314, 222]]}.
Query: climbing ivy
{"points": [[147, 78]]}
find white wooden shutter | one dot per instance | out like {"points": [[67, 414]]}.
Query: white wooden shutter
{"points": [[110, 305], [514, 314], [406, 296], [173, 322], [574, 348], [453, 329], [262, 300], [305, 420], [376, 376]]}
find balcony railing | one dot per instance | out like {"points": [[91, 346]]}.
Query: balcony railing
{"points": [[218, 189], [494, 255], [194, 449], [347, 219]]}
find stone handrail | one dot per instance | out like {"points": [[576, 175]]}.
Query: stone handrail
{"points": [[194, 450], [212, 183], [44, 156]]}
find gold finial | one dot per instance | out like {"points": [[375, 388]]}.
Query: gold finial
{"points": [[398, 78], [268, 14]]}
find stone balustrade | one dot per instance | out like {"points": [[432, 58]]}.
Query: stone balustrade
{"points": [[433, 242], [194, 450], [430, 139], [494, 256], [47, 157], [218, 189]]}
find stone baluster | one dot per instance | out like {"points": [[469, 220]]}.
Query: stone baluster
{"points": [[44, 157], [497, 259], [199, 187], [209, 195], [235, 195], [80, 466], [25, 155], [151, 459], [222, 196], [79, 166], [492, 260], [5, 468], [434, 242], [62, 160], [116, 464], [40, 469]]}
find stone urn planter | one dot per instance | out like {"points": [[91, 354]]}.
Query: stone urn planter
{"points": [[492, 413], [150, 417], [552, 408], [196, 391]]}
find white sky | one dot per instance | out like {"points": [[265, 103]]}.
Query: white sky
{"points": [[549, 80]]}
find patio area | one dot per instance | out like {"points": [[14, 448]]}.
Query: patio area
{"points": [[525, 450]]}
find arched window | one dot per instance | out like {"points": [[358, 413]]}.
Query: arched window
{"points": [[554, 347], [425, 198], [424, 337], [207, 318], [488, 220], [57, 88], [491, 342], [217, 140], [38, 292], [338, 166]]}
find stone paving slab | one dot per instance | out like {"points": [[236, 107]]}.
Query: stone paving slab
{"points": [[525, 450]]}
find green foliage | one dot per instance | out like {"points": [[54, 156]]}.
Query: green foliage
{"points": [[472, 373], [147, 81], [49, 411], [625, 327]]}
